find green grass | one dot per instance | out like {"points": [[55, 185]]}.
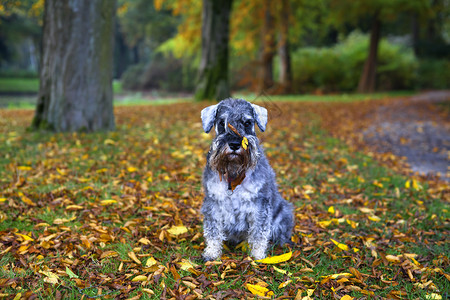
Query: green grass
{"points": [[19, 85], [151, 165], [337, 98]]}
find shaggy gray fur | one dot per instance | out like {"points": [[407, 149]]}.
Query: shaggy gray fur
{"points": [[254, 211]]}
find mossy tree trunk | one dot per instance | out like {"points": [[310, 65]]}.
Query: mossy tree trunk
{"points": [[367, 81], [268, 47], [283, 49], [76, 66], [213, 82]]}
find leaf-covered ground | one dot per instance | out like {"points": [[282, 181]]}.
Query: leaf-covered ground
{"points": [[116, 215]]}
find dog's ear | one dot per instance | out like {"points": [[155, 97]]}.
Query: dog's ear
{"points": [[260, 116], [208, 117]]}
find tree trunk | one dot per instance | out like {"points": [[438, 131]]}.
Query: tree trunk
{"points": [[283, 49], [75, 90], [415, 29], [367, 82], [268, 49], [213, 81]]}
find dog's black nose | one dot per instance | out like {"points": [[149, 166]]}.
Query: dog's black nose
{"points": [[234, 146]]}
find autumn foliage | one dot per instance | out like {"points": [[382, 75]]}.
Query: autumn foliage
{"points": [[116, 215]]}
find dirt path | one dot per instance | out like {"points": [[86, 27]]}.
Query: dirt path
{"points": [[417, 128]]}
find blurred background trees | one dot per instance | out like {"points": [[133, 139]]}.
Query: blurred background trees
{"points": [[287, 46]]}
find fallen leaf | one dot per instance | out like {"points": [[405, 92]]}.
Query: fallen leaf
{"points": [[139, 278], [177, 230], [244, 143], [340, 245], [108, 202], [133, 256], [259, 290], [276, 259]]}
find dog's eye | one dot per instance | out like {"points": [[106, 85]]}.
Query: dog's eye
{"points": [[248, 123], [221, 125]]}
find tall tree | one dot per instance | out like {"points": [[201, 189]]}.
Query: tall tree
{"points": [[284, 48], [379, 12], [213, 82], [75, 90], [268, 47], [367, 80]]}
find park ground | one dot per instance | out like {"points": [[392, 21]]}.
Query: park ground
{"points": [[116, 215]]}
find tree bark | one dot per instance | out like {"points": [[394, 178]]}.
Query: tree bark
{"points": [[283, 49], [213, 81], [268, 48], [75, 91], [367, 81]]}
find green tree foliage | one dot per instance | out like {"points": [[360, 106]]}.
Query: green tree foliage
{"points": [[19, 21], [377, 12]]}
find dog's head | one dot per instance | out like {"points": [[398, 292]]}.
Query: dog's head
{"points": [[234, 121]]}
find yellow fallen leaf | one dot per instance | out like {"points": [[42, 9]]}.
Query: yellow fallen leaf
{"points": [[109, 142], [393, 258], [24, 168], [144, 241], [185, 265], [353, 224], [284, 284], [74, 207], [331, 210], [177, 230], [151, 261], [132, 255], [346, 297], [132, 169], [107, 202], [276, 259], [244, 143], [374, 218], [259, 290], [366, 210], [139, 278], [338, 275], [148, 291], [50, 277], [61, 172], [26, 200], [2, 200], [17, 297], [340, 245], [282, 271], [433, 296], [25, 237]]}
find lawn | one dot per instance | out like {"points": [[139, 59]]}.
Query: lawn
{"points": [[17, 85], [116, 215]]}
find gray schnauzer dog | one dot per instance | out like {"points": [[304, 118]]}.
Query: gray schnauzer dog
{"points": [[241, 197]]}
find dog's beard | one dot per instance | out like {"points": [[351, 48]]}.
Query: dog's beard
{"points": [[230, 164]]}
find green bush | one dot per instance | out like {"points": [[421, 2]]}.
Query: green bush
{"points": [[132, 78], [433, 74], [338, 68]]}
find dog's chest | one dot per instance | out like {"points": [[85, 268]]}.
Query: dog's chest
{"points": [[237, 208]]}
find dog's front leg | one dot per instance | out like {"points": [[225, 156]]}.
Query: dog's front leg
{"points": [[259, 234], [214, 237]]}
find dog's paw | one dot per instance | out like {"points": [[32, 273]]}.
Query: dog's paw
{"points": [[207, 258], [211, 253], [259, 253]]}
